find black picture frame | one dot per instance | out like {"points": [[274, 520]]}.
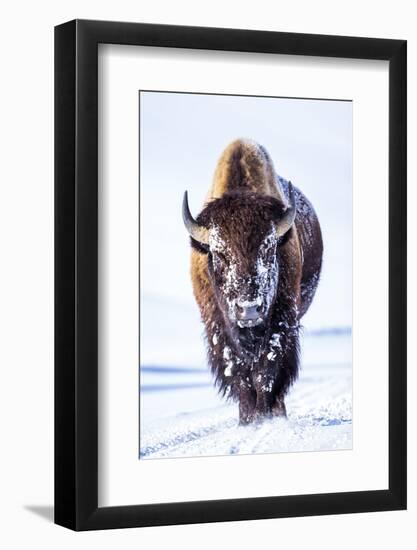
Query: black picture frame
{"points": [[76, 272]]}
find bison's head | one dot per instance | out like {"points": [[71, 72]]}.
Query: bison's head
{"points": [[241, 233]]}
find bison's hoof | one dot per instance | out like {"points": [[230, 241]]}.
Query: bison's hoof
{"points": [[245, 421], [279, 409]]}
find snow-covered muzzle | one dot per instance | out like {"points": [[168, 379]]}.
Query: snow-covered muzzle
{"points": [[245, 280]]}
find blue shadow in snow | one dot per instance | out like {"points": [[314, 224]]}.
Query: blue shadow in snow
{"points": [[332, 421], [171, 387], [170, 370]]}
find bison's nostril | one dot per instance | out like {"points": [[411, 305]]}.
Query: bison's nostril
{"points": [[247, 312]]}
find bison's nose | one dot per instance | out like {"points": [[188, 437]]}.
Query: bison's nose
{"points": [[248, 312]]}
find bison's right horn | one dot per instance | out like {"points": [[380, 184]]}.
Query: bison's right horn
{"points": [[287, 220], [197, 232]]}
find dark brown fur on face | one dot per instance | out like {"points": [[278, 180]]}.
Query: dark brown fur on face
{"points": [[254, 362]]}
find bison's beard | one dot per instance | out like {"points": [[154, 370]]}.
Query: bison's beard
{"points": [[251, 341]]}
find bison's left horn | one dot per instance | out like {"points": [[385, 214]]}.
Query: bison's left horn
{"points": [[287, 220], [197, 232]]}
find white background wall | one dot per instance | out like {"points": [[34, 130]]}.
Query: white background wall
{"points": [[26, 284]]}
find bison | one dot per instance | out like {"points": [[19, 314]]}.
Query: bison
{"points": [[256, 255]]}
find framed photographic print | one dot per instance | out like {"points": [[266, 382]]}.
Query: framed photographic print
{"points": [[230, 252]]}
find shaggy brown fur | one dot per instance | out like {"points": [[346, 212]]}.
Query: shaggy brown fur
{"points": [[255, 365]]}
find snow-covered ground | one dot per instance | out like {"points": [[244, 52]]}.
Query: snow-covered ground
{"points": [[182, 415]]}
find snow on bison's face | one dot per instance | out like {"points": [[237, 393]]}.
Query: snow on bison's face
{"points": [[244, 274], [241, 233]]}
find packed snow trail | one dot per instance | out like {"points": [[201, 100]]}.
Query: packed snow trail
{"points": [[181, 415]]}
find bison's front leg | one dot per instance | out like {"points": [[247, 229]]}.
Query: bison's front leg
{"points": [[278, 408], [264, 386], [247, 403]]}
